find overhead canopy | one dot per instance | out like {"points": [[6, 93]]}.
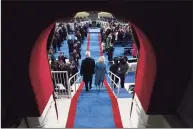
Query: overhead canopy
{"points": [[105, 14], [81, 14]]}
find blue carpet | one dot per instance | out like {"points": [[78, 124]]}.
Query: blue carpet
{"points": [[94, 109], [123, 93], [130, 78]]}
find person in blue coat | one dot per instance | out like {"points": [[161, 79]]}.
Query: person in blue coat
{"points": [[100, 71]]}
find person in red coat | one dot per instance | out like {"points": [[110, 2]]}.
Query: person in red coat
{"points": [[134, 51]]}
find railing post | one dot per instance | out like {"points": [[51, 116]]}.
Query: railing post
{"points": [[76, 77], [119, 87], [114, 82], [111, 80], [69, 87]]}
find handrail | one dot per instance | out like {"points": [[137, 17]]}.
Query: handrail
{"points": [[59, 76], [118, 84], [76, 78]]}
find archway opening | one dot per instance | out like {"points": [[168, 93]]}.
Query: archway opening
{"points": [[122, 43]]}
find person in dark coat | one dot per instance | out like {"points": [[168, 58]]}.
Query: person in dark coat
{"points": [[87, 70], [64, 32], [113, 38], [68, 28], [82, 33], [114, 69], [54, 66], [110, 53], [126, 38], [74, 70], [63, 77], [61, 35], [58, 42], [70, 44], [54, 44], [122, 70], [85, 30]]}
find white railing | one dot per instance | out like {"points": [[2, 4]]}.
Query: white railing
{"points": [[114, 81], [61, 85], [74, 80]]}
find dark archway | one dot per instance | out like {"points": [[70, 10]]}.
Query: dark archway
{"points": [[167, 25]]}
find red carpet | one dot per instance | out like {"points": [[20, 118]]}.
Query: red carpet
{"points": [[72, 110], [115, 107]]}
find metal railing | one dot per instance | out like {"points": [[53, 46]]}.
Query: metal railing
{"points": [[61, 85], [74, 80], [114, 81]]}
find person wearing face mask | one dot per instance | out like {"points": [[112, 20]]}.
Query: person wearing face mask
{"points": [[122, 70]]}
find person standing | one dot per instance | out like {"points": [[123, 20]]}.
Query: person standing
{"points": [[134, 50], [54, 44], [110, 53], [114, 69], [100, 71], [87, 70], [122, 70], [70, 44]]}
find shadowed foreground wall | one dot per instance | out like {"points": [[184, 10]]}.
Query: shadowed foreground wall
{"points": [[167, 25], [39, 70]]}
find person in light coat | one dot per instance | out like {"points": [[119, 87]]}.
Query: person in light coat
{"points": [[100, 71]]}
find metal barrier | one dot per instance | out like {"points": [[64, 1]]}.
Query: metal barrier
{"points": [[74, 80], [114, 81], [61, 85]]}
